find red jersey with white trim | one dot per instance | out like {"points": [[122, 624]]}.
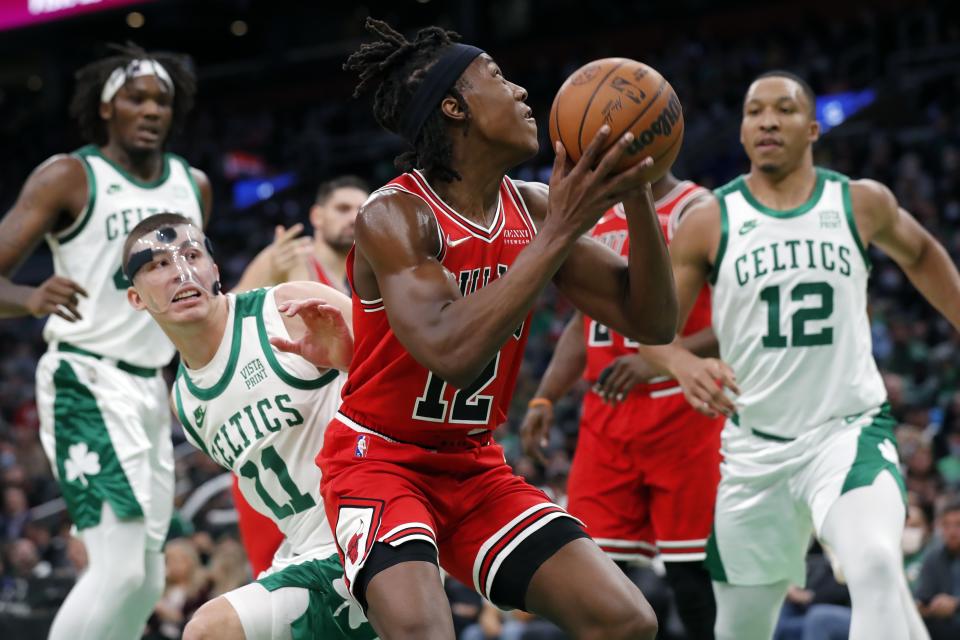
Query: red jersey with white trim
{"points": [[319, 274], [603, 345], [387, 390]]}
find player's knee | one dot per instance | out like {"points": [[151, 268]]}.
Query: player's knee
{"points": [[414, 626], [876, 563], [625, 619], [126, 581], [215, 620]]}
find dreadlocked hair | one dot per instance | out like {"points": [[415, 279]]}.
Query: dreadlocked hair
{"points": [[396, 67], [85, 105]]}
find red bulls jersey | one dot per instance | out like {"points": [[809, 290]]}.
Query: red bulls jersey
{"points": [[389, 392], [603, 345], [316, 269]]}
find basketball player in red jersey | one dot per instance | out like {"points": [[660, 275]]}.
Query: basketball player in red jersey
{"points": [[448, 261], [324, 257], [645, 472], [289, 258], [333, 217]]}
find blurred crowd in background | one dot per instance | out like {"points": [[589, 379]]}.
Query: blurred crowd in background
{"points": [[909, 139]]}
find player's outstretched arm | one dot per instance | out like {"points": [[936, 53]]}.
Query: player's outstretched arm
{"points": [[54, 193], [692, 253], [319, 322], [565, 368], [455, 336], [882, 222], [635, 297]]}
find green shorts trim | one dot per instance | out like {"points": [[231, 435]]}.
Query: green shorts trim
{"points": [[87, 464], [876, 452], [331, 614], [713, 561]]}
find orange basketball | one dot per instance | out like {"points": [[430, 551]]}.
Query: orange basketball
{"points": [[627, 95]]}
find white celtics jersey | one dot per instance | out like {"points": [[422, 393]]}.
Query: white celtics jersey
{"points": [[89, 252], [790, 309], [262, 414]]}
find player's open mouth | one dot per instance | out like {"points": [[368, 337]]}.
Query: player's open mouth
{"points": [[149, 132], [769, 143], [186, 294]]}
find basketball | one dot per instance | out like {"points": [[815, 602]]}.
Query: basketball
{"points": [[627, 95]]}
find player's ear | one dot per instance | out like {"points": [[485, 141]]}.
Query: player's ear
{"points": [[316, 215], [106, 110], [451, 108], [814, 134], [135, 300]]}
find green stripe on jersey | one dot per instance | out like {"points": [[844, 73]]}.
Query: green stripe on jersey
{"points": [[785, 213], [193, 184], [182, 415], [87, 464], [713, 561], [294, 381], [876, 452], [72, 232], [210, 393]]}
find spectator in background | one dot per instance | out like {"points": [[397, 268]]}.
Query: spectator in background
{"points": [[938, 587], [25, 562], [819, 611], [228, 567], [922, 477], [465, 604], [949, 466], [187, 588], [917, 532], [16, 513], [322, 259]]}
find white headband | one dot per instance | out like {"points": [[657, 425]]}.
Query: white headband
{"points": [[135, 69]]}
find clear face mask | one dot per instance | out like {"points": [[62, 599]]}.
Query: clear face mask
{"points": [[171, 265]]}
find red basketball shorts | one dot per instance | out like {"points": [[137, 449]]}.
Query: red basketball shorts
{"points": [[644, 476], [468, 504]]}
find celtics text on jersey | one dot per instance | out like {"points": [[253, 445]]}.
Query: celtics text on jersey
{"points": [[261, 413], [89, 252], [790, 309]]}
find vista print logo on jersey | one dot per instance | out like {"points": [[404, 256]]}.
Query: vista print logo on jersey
{"points": [[253, 373], [830, 219]]}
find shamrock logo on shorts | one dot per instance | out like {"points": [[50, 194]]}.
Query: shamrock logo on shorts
{"points": [[82, 463], [889, 452], [355, 616]]}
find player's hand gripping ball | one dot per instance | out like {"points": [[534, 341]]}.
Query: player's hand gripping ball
{"points": [[627, 95]]}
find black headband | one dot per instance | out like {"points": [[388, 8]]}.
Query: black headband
{"points": [[139, 259], [434, 86]]}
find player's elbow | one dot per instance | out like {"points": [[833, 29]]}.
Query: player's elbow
{"points": [[658, 335], [656, 324]]}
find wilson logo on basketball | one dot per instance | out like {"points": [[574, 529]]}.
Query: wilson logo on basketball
{"points": [[662, 126]]}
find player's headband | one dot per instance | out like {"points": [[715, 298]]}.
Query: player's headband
{"points": [[434, 86], [163, 239], [134, 69]]}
